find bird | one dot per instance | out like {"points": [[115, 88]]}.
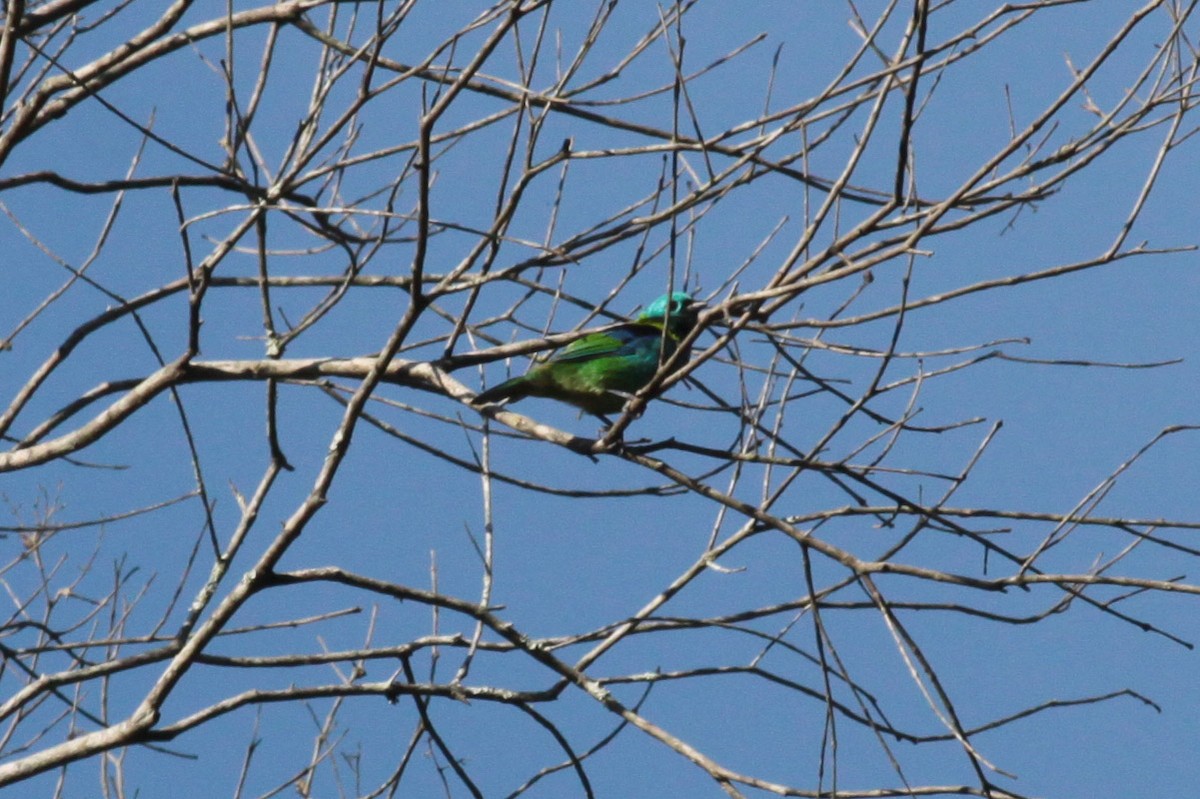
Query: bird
{"points": [[598, 371]]}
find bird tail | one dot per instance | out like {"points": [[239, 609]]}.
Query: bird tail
{"points": [[511, 390]]}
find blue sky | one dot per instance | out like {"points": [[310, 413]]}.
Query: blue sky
{"points": [[565, 565]]}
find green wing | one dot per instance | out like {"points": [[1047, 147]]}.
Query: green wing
{"points": [[619, 341]]}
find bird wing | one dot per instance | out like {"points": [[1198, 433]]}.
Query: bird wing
{"points": [[616, 341]]}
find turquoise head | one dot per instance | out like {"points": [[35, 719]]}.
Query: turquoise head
{"points": [[678, 307]]}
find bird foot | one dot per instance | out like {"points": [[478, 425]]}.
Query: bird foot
{"points": [[625, 395], [608, 425]]}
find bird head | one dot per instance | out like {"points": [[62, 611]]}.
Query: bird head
{"points": [[678, 307]]}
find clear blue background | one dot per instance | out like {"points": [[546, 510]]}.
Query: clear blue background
{"points": [[566, 565]]}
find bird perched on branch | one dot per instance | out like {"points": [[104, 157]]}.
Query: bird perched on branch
{"points": [[597, 372]]}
